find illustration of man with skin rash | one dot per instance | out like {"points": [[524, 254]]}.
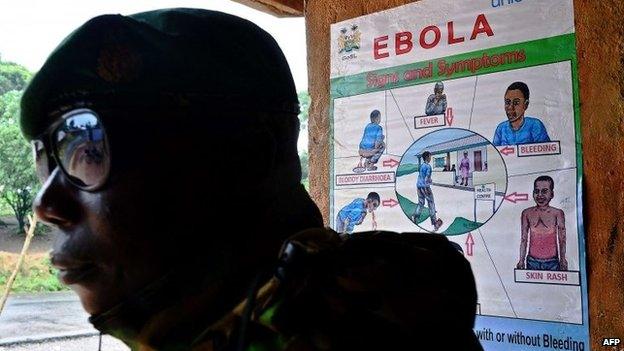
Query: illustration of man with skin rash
{"points": [[518, 128], [542, 226], [354, 213], [372, 145]]}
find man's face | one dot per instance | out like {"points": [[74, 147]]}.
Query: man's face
{"points": [[371, 205], [515, 105], [542, 193], [438, 91], [377, 119], [108, 246]]}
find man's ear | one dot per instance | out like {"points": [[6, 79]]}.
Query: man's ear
{"points": [[526, 104]]}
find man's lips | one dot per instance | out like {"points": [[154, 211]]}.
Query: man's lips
{"points": [[76, 275], [72, 271]]}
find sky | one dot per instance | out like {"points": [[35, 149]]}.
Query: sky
{"points": [[31, 29]]}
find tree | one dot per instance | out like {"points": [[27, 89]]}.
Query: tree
{"points": [[9, 105], [18, 183], [13, 77], [304, 105], [303, 157]]}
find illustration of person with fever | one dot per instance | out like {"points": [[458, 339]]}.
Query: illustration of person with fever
{"points": [[436, 102]]}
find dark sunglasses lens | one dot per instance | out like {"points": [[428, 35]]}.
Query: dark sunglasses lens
{"points": [[82, 149], [42, 165]]}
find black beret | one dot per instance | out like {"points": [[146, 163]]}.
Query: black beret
{"points": [[161, 54]]}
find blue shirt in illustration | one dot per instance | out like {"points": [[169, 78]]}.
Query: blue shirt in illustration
{"points": [[355, 212], [424, 174], [372, 133], [531, 131]]}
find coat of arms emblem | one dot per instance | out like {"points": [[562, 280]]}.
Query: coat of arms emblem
{"points": [[349, 40]]}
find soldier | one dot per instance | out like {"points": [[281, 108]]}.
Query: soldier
{"points": [[167, 248]]}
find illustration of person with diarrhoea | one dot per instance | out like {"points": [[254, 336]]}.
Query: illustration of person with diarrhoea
{"points": [[354, 213], [423, 187], [372, 144], [436, 102], [542, 227], [518, 128]]}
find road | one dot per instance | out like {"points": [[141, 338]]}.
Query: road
{"points": [[50, 321], [89, 343]]}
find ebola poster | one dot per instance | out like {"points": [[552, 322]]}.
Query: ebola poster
{"points": [[461, 118]]}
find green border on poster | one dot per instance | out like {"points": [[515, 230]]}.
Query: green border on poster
{"points": [[536, 52]]}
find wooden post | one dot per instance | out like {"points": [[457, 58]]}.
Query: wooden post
{"points": [[29, 235]]}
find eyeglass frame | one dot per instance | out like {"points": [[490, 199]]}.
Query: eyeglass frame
{"points": [[46, 138]]}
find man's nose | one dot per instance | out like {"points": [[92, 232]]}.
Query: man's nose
{"points": [[57, 201]]}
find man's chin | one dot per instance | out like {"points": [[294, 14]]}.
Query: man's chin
{"points": [[93, 302]]}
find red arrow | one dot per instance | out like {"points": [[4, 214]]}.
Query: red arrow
{"points": [[507, 150], [469, 244], [390, 163], [390, 203], [515, 197], [449, 116]]}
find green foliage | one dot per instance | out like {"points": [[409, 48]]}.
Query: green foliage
{"points": [[18, 183], [36, 275], [304, 104], [42, 229], [9, 106], [304, 158], [13, 77], [17, 175]]}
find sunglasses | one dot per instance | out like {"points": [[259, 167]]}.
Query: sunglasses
{"points": [[78, 146]]}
